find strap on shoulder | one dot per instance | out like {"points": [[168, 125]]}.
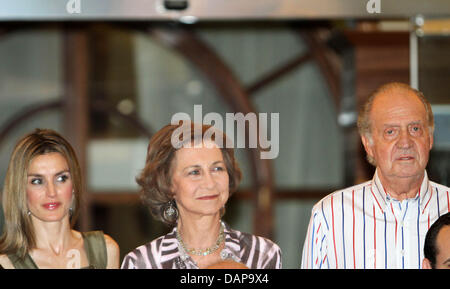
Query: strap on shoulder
{"points": [[19, 263], [95, 246]]}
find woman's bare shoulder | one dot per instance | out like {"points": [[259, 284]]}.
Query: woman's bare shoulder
{"points": [[5, 262], [113, 252]]}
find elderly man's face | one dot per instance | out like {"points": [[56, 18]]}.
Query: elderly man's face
{"points": [[400, 141]]}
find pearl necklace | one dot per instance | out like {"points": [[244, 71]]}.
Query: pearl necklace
{"points": [[207, 251]]}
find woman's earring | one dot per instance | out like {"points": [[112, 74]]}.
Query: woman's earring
{"points": [[29, 213], [170, 212]]}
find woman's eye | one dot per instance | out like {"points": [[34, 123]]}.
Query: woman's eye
{"points": [[194, 172], [219, 169], [36, 181], [62, 178]]}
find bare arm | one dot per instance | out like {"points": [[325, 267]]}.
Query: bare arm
{"points": [[113, 253], [5, 262]]}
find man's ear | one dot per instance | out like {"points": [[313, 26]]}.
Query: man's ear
{"points": [[426, 264], [367, 145]]}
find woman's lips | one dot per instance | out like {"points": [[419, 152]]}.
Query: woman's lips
{"points": [[205, 198], [51, 206]]}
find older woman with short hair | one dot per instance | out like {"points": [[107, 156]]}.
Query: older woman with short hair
{"points": [[186, 184]]}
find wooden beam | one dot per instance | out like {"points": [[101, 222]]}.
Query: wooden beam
{"points": [[75, 108]]}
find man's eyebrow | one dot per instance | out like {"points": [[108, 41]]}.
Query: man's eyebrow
{"points": [[397, 124]]}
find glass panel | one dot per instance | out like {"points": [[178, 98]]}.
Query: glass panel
{"points": [[433, 45], [307, 115], [167, 83], [434, 68], [30, 75]]}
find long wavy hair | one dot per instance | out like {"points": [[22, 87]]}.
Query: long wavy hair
{"points": [[18, 236]]}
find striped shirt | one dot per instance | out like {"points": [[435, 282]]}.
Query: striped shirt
{"points": [[166, 253], [363, 227]]}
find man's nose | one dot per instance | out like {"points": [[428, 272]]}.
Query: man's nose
{"points": [[405, 140]]}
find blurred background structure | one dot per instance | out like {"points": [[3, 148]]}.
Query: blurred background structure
{"points": [[108, 74]]}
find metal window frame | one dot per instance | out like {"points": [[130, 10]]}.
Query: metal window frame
{"points": [[200, 10]]}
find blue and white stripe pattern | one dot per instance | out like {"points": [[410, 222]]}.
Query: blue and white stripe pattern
{"points": [[362, 227]]}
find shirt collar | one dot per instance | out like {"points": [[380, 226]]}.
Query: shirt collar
{"points": [[383, 199]]}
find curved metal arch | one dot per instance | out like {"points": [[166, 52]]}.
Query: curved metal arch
{"points": [[33, 110], [132, 120], [26, 114], [318, 51]]}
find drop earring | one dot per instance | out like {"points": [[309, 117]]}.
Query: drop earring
{"points": [[170, 212], [71, 208]]}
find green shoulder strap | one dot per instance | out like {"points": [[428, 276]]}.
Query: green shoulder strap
{"points": [[25, 263], [95, 246]]}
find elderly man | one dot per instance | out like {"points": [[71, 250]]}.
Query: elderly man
{"points": [[382, 223]]}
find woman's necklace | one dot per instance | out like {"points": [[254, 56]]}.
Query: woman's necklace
{"points": [[207, 251]]}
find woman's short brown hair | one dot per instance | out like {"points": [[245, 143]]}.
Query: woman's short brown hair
{"points": [[18, 236], [155, 178]]}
